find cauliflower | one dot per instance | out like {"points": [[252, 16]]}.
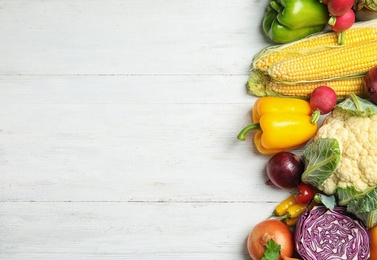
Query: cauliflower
{"points": [[357, 138], [342, 159]]}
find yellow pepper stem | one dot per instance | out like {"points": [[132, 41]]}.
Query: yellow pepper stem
{"points": [[245, 130], [315, 117]]}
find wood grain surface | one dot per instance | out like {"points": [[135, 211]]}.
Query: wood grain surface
{"points": [[118, 125]]}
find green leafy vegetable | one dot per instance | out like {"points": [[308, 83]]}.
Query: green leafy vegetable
{"points": [[349, 193], [272, 250], [357, 106], [321, 158], [328, 201], [324, 158], [365, 208]]}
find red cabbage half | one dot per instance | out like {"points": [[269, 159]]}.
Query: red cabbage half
{"points": [[324, 234]]}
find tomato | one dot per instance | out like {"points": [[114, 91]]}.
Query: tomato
{"points": [[304, 193], [373, 242]]}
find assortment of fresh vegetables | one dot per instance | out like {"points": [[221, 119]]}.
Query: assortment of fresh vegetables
{"points": [[332, 205], [299, 201], [342, 159], [297, 68], [287, 21]]}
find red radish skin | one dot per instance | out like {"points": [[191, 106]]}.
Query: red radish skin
{"points": [[323, 98], [342, 22], [339, 7], [371, 84], [270, 229]]}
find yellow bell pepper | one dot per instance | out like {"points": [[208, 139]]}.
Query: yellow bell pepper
{"points": [[281, 124]]}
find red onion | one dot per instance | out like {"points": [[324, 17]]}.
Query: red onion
{"points": [[285, 169], [371, 84]]}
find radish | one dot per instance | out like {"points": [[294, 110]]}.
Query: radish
{"points": [[342, 22], [339, 7], [323, 99]]}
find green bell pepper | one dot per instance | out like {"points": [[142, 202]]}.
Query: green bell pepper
{"points": [[291, 20]]}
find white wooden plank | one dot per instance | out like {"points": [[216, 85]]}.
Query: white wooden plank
{"points": [[168, 89], [125, 152], [38, 230], [64, 140], [129, 37]]}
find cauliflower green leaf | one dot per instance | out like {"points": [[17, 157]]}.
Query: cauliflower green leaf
{"points": [[321, 159], [365, 208], [349, 193], [357, 106]]}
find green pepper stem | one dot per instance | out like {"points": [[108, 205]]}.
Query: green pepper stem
{"points": [[276, 6], [315, 117], [242, 134]]}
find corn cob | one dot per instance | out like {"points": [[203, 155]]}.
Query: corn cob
{"points": [[262, 85], [344, 61], [360, 32]]}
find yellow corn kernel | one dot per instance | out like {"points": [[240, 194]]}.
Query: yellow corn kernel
{"points": [[272, 55], [347, 60], [342, 87]]}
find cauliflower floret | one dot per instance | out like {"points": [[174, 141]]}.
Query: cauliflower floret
{"points": [[357, 137]]}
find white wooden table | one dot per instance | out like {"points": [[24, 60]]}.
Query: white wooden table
{"points": [[118, 125]]}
